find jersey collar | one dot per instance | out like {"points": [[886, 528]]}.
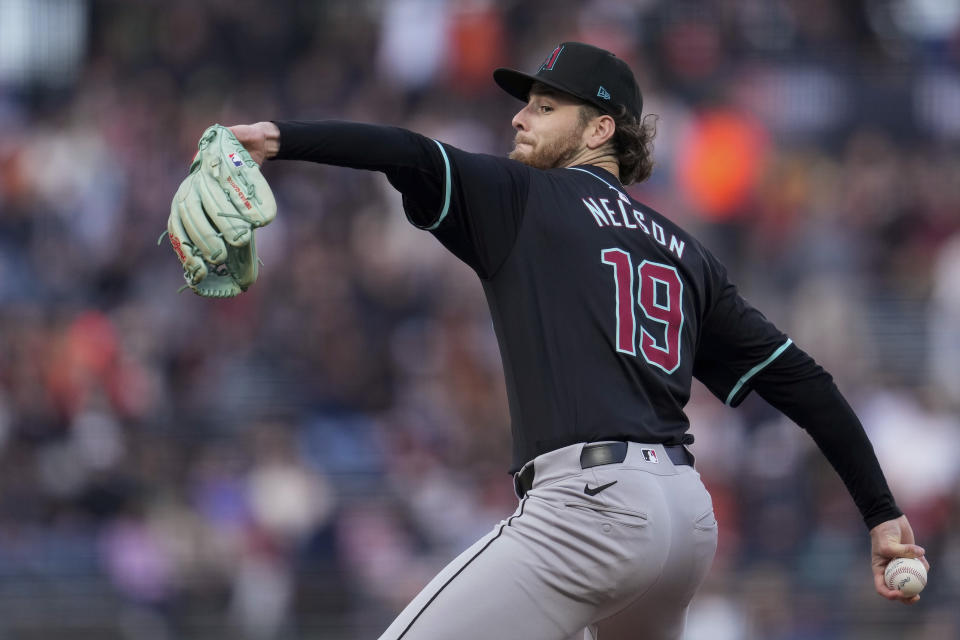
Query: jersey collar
{"points": [[600, 172], [603, 176]]}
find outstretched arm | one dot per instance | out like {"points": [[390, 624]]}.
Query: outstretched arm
{"points": [[473, 203]]}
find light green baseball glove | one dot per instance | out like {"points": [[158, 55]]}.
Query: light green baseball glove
{"points": [[214, 214]]}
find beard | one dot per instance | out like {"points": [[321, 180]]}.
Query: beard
{"points": [[550, 154]]}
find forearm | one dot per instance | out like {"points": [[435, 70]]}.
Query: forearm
{"points": [[838, 433], [356, 145], [806, 394]]}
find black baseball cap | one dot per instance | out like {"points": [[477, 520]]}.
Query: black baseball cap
{"points": [[589, 73]]}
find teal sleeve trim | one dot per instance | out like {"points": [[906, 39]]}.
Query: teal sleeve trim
{"points": [[757, 369], [446, 191]]}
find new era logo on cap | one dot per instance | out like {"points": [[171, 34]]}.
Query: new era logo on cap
{"points": [[603, 93]]}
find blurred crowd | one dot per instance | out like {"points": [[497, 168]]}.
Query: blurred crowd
{"points": [[297, 462]]}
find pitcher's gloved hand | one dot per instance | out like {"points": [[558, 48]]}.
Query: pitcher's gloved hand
{"points": [[214, 214]]}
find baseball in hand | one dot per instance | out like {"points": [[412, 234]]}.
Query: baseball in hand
{"points": [[906, 575]]}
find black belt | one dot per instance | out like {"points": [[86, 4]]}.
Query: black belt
{"points": [[594, 455]]}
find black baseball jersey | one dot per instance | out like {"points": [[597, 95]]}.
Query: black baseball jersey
{"points": [[603, 308]]}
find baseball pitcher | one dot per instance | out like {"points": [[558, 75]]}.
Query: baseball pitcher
{"points": [[605, 311]]}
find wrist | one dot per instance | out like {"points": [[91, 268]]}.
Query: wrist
{"points": [[271, 136]]}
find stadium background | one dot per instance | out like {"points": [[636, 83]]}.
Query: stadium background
{"points": [[297, 462]]}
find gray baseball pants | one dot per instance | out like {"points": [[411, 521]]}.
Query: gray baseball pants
{"points": [[621, 564]]}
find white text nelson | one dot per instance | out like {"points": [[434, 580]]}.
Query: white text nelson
{"points": [[634, 219]]}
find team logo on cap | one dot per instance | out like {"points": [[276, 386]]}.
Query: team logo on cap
{"points": [[552, 60], [650, 455], [603, 93]]}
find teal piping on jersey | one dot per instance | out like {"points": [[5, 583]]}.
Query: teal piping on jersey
{"points": [[757, 369], [446, 190], [591, 173]]}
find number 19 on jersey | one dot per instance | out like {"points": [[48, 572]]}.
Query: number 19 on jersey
{"points": [[659, 294]]}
